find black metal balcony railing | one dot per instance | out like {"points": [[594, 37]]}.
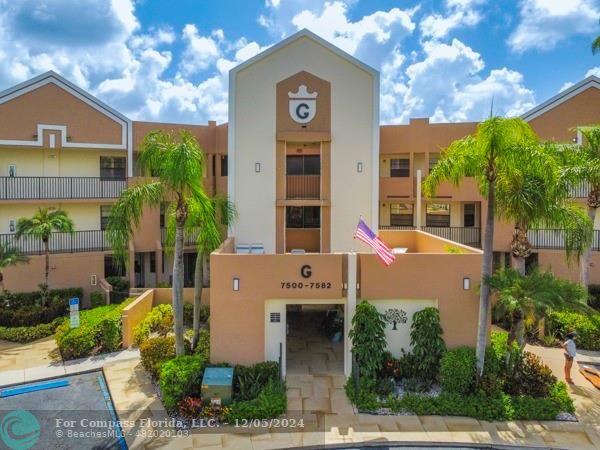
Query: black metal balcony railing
{"points": [[396, 227], [553, 239], [303, 187], [40, 188], [470, 236], [77, 242], [189, 237]]}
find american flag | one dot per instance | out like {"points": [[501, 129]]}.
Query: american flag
{"points": [[365, 234]]}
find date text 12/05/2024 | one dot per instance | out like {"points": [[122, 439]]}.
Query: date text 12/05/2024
{"points": [[305, 285]]}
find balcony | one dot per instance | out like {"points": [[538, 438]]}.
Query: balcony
{"points": [[77, 242], [470, 236], [189, 238], [553, 239], [396, 187], [580, 191], [303, 187], [44, 188]]}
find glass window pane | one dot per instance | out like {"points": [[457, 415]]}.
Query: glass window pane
{"points": [[104, 216], [224, 165], [312, 217], [312, 165], [294, 165], [294, 217]]}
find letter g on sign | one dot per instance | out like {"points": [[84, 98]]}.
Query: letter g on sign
{"points": [[306, 271]]}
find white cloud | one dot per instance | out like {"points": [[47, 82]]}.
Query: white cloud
{"points": [[593, 71], [545, 23], [201, 51], [448, 86], [459, 13]]}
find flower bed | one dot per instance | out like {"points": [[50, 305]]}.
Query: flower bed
{"points": [[515, 385], [99, 332]]}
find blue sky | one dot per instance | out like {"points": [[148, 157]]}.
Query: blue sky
{"points": [[169, 60]]}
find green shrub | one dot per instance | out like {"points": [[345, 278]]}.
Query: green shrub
{"points": [[427, 343], [29, 334], [587, 327], [20, 299], [458, 369], [28, 315], [180, 377], [364, 396], [270, 403], [203, 347], [158, 320], [530, 376], [119, 284], [249, 381], [594, 298], [188, 314], [532, 408], [99, 331], [368, 339], [97, 299], [155, 351]]}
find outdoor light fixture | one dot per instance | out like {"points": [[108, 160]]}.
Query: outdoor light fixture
{"points": [[236, 284], [359, 167], [466, 283], [257, 167]]}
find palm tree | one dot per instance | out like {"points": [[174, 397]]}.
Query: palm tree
{"points": [[596, 45], [223, 213], [177, 165], [9, 256], [492, 153], [519, 297], [43, 223], [584, 169], [536, 195]]}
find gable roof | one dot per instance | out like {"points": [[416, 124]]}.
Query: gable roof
{"points": [[561, 97], [54, 78], [304, 33]]}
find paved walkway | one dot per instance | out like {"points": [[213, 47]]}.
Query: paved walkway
{"points": [[135, 398]]}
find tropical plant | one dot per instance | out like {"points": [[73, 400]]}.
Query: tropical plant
{"points": [[489, 155], [368, 339], [43, 223], [177, 165], [9, 256], [584, 169], [427, 343], [533, 295], [535, 194], [204, 221], [596, 45]]}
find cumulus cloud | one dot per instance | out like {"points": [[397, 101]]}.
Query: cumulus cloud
{"points": [[545, 23], [459, 13], [201, 51]]}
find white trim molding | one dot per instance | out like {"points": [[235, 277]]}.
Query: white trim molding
{"points": [[54, 78], [567, 94]]}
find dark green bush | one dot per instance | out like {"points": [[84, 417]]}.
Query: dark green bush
{"points": [[368, 339], [20, 299], [458, 369], [203, 346], [270, 403], [155, 351], [249, 381], [29, 334], [594, 298], [99, 332], [97, 299], [180, 377], [427, 343], [158, 320], [33, 314], [587, 327], [530, 377], [119, 284]]}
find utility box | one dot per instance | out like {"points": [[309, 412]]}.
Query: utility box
{"points": [[217, 385]]}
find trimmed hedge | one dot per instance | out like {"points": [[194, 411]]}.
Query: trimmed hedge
{"points": [[155, 351], [559, 323], [180, 377], [99, 332], [158, 320], [270, 403], [30, 315], [29, 334], [458, 370], [33, 298]]}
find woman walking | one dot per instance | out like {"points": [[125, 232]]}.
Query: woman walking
{"points": [[570, 352]]}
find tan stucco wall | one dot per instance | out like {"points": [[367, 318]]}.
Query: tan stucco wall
{"points": [[66, 270], [556, 262], [51, 104], [430, 277], [134, 313], [237, 318], [352, 139], [557, 124]]}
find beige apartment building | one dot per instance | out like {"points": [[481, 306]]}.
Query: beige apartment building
{"points": [[302, 157]]}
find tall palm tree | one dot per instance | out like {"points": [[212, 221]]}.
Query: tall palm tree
{"points": [[536, 195], [596, 45], [222, 215], [493, 152], [177, 164], [43, 223], [9, 256], [584, 169]]}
